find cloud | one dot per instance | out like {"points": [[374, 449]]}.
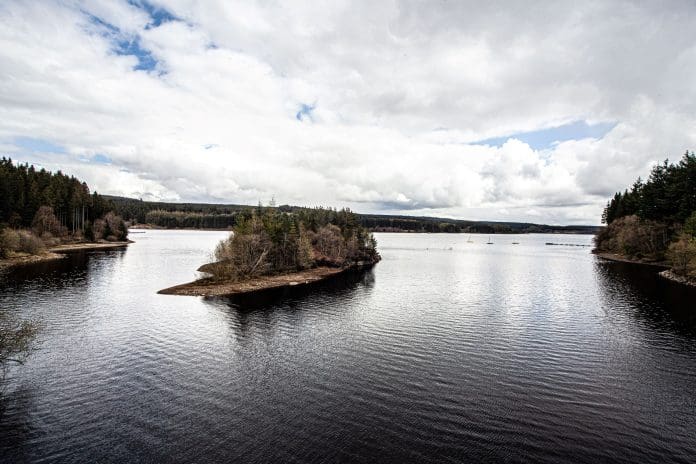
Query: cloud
{"points": [[377, 107]]}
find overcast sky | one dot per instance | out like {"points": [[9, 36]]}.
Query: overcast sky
{"points": [[534, 111]]}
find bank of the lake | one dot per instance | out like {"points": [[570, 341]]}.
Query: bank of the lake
{"points": [[665, 268], [208, 287], [59, 252]]}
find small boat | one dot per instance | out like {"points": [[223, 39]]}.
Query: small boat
{"points": [[489, 242], [469, 240], [515, 243]]}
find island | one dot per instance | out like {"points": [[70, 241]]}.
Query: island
{"points": [[44, 215], [654, 223], [270, 248]]}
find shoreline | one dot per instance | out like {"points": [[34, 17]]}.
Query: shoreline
{"points": [[670, 275], [59, 252], [622, 259], [665, 273], [207, 287]]}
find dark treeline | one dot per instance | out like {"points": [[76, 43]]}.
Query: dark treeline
{"points": [[24, 189], [270, 241], [220, 216], [655, 219], [205, 215], [669, 194], [190, 220], [39, 208], [394, 223]]}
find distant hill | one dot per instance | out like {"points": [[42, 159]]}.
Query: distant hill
{"points": [[222, 216]]}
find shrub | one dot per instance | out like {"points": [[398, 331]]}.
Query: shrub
{"points": [[682, 255], [330, 244], [115, 227], [98, 229], [243, 255], [30, 243], [9, 242]]}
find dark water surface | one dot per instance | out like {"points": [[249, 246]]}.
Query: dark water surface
{"points": [[447, 351]]}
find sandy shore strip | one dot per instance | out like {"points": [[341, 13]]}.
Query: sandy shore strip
{"points": [[209, 287], [59, 252]]}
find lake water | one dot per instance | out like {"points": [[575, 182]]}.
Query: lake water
{"points": [[447, 351]]}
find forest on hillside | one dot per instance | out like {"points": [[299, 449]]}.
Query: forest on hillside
{"points": [[222, 216], [655, 220], [39, 208]]}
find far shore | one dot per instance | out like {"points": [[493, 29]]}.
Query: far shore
{"points": [[208, 287], [373, 230], [59, 252]]}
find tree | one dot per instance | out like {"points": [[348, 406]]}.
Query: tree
{"points": [[46, 222], [690, 225], [15, 341]]}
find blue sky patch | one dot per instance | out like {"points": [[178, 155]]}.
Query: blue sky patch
{"points": [[125, 44], [546, 138], [101, 159], [32, 145], [146, 62], [305, 112], [158, 15]]}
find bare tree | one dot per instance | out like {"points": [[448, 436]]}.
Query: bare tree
{"points": [[15, 341]]}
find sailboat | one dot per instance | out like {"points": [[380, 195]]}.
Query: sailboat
{"points": [[489, 242], [469, 240]]}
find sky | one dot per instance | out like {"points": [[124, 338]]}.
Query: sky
{"points": [[510, 111]]}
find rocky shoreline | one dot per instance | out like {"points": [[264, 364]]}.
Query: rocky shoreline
{"points": [[623, 259], [666, 272], [669, 274]]}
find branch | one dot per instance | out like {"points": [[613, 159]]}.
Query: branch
{"points": [[18, 361]]}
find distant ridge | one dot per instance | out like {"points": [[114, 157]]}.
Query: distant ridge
{"points": [[222, 216]]}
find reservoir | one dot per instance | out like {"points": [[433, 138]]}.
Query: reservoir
{"points": [[446, 351]]}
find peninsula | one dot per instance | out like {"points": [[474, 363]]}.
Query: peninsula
{"points": [[271, 249]]}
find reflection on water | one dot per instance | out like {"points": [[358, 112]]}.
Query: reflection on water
{"points": [[445, 351], [646, 295], [335, 287]]}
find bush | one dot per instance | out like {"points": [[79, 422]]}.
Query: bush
{"points": [[30, 243], [682, 255], [98, 229], [243, 254], [9, 242], [115, 227]]}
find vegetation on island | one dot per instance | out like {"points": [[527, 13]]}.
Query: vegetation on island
{"points": [[267, 241], [40, 209], [655, 220]]}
